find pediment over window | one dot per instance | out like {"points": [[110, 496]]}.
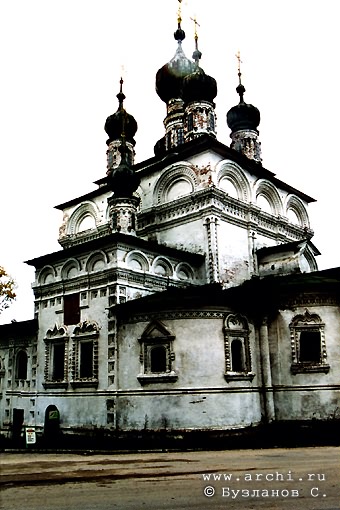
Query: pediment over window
{"points": [[86, 327], [306, 318], [236, 322], [56, 331], [156, 330]]}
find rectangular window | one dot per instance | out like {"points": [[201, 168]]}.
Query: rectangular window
{"points": [[310, 347], [71, 309], [86, 360], [58, 362]]}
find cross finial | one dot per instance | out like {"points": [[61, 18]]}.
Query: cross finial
{"points": [[179, 12], [197, 54], [239, 62], [240, 88], [194, 19]]}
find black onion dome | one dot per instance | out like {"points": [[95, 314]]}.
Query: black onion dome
{"points": [[121, 122], [198, 86], [243, 116], [123, 179], [169, 77]]}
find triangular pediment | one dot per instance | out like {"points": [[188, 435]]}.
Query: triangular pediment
{"points": [[155, 330]]}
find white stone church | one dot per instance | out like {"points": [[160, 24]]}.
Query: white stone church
{"points": [[186, 294]]}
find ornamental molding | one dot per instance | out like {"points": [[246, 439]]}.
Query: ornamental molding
{"points": [[297, 206], [86, 327], [169, 175], [174, 315], [215, 201], [85, 209], [56, 332], [86, 236], [306, 318], [233, 172], [312, 300], [269, 191]]}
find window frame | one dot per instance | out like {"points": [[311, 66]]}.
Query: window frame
{"points": [[156, 335], [307, 322], [84, 332], [236, 327], [54, 337]]}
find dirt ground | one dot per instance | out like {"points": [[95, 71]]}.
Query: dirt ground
{"points": [[304, 478]]}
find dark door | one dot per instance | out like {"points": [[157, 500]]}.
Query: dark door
{"points": [[18, 421]]}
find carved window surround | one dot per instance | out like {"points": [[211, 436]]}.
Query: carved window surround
{"points": [[313, 329], [156, 355], [237, 349], [86, 332], [56, 357]]}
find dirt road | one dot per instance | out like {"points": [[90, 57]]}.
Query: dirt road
{"points": [[303, 478]]}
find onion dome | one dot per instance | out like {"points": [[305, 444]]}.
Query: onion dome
{"points": [[169, 77], [123, 179], [198, 86], [243, 116], [121, 122]]}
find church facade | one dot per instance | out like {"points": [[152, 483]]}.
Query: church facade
{"points": [[186, 295]]}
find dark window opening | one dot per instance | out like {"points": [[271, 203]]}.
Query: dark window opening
{"points": [[180, 136], [86, 360], [212, 122], [310, 347], [237, 362], [21, 368], [190, 122], [71, 309], [168, 141], [158, 359], [58, 362]]}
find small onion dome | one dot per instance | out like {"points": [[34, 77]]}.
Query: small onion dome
{"points": [[121, 122], [243, 116], [169, 77], [198, 86], [123, 179]]}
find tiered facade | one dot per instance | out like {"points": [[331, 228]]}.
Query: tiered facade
{"points": [[186, 295]]}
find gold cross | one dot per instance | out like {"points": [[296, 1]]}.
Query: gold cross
{"points": [[196, 25], [238, 56], [179, 15]]}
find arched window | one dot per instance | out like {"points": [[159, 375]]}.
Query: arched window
{"points": [[21, 365]]}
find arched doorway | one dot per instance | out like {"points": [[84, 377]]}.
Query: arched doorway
{"points": [[52, 424]]}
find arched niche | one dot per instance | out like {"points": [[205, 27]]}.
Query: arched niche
{"points": [[85, 217], [232, 180], [176, 181], [137, 261]]}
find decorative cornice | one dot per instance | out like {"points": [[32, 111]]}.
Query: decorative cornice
{"points": [[175, 314], [215, 201]]}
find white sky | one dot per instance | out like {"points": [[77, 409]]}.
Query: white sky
{"points": [[60, 66]]}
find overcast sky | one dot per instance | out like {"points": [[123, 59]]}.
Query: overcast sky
{"points": [[60, 69]]}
